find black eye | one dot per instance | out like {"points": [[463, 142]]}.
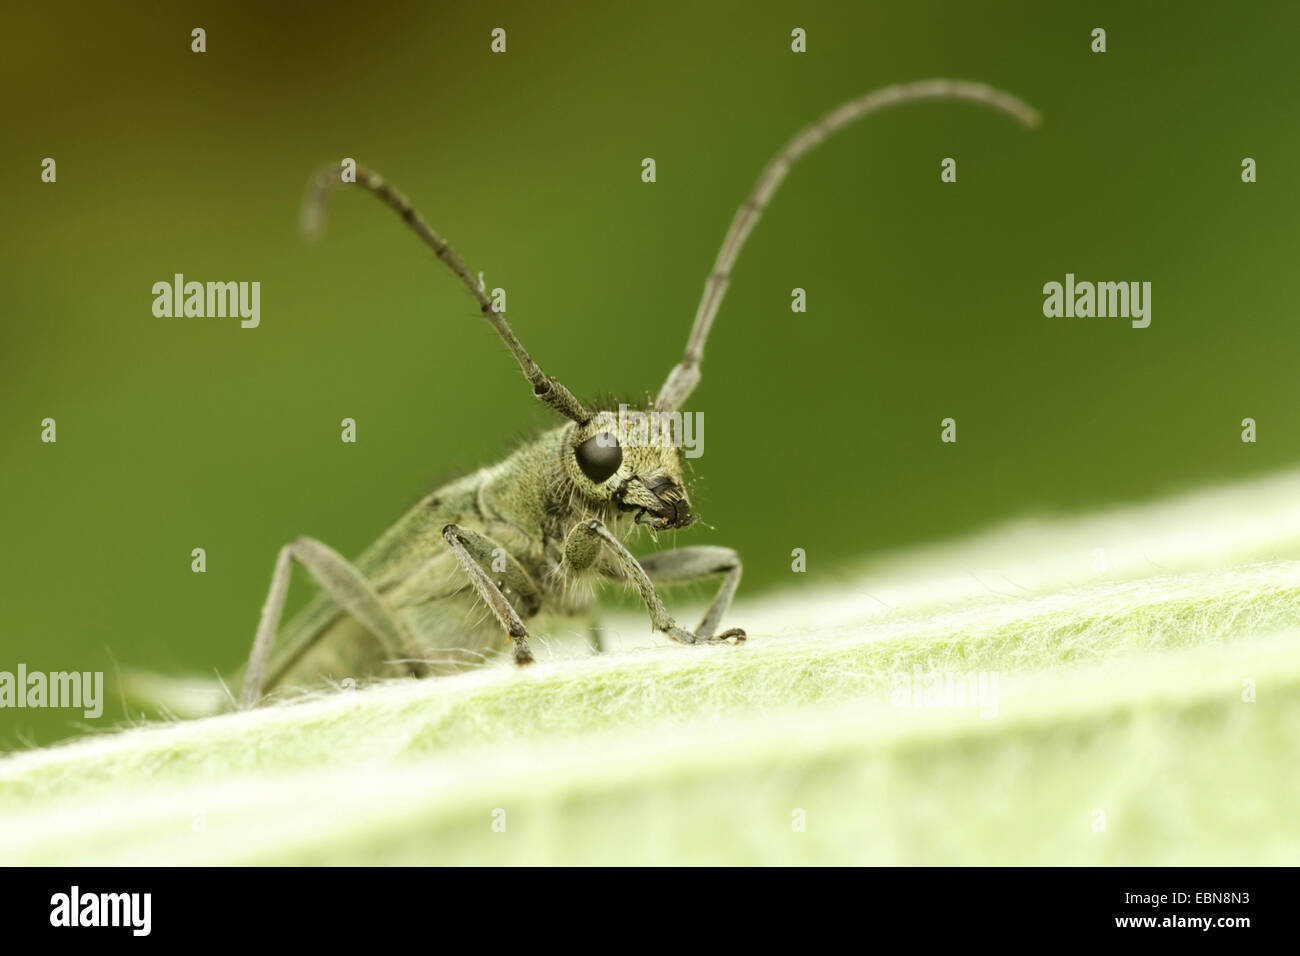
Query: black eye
{"points": [[599, 456]]}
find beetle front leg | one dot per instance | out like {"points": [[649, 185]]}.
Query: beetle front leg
{"points": [[583, 545], [470, 547], [695, 563]]}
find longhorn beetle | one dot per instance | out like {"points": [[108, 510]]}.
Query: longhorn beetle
{"points": [[524, 536]]}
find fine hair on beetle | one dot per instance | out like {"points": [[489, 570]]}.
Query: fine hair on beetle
{"points": [[532, 533]]}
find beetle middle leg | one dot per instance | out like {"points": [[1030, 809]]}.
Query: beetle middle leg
{"points": [[474, 550], [588, 538], [342, 582]]}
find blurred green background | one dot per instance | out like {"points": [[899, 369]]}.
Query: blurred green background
{"points": [[822, 429]]}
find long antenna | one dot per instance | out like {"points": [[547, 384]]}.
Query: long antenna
{"points": [[545, 389], [686, 374]]}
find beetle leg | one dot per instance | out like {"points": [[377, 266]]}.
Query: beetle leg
{"points": [[464, 543], [347, 586]]}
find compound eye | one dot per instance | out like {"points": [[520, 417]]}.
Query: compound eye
{"points": [[599, 456]]}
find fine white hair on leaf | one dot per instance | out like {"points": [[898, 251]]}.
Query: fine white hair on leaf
{"points": [[1164, 690]]}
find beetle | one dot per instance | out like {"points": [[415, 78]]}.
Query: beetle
{"points": [[528, 535]]}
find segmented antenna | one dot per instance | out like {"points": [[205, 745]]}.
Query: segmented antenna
{"points": [[686, 374], [545, 389]]}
